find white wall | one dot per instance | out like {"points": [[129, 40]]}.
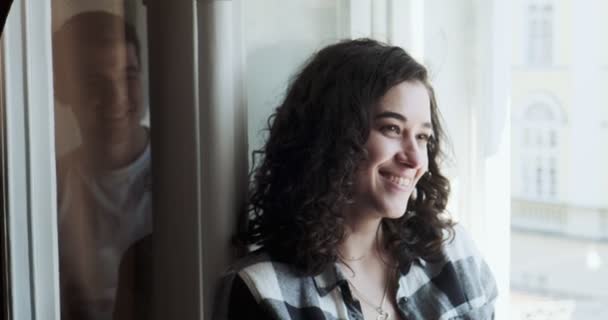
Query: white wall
{"points": [[279, 36]]}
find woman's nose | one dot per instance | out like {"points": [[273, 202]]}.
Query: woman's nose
{"points": [[411, 154]]}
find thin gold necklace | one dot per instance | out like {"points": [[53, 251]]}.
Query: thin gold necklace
{"points": [[382, 314]]}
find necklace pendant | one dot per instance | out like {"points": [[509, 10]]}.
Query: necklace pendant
{"points": [[382, 315]]}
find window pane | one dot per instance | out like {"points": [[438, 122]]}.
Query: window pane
{"points": [[559, 249], [103, 158], [540, 34]]}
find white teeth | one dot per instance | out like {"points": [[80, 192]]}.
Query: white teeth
{"points": [[404, 182]]}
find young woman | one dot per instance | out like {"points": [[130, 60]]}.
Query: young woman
{"points": [[347, 206]]}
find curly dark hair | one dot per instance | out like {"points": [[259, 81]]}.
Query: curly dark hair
{"points": [[315, 145]]}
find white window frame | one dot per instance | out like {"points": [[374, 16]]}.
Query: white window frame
{"points": [[32, 208], [488, 196]]}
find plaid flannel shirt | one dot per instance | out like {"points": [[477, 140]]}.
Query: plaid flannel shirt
{"points": [[459, 286]]}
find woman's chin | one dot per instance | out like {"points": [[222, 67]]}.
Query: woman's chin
{"points": [[395, 213]]}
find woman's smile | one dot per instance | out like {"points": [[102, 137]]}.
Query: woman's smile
{"points": [[403, 183]]}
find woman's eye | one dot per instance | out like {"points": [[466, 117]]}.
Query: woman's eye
{"points": [[424, 137], [391, 129]]}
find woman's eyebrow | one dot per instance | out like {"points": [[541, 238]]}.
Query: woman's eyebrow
{"points": [[389, 114], [400, 117]]}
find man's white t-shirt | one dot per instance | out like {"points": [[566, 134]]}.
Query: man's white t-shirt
{"points": [[100, 216]]}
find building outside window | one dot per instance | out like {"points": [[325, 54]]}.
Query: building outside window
{"points": [[540, 32], [559, 235], [540, 145]]}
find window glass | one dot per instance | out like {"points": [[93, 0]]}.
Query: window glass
{"points": [[103, 158], [559, 248], [540, 32]]}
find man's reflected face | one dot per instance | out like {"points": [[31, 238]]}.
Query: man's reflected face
{"points": [[106, 96]]}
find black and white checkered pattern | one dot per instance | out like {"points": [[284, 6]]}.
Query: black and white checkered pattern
{"points": [[460, 286]]}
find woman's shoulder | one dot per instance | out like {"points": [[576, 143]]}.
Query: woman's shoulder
{"points": [[465, 281], [460, 245], [461, 254], [259, 264], [259, 278], [260, 269], [458, 251], [463, 263]]}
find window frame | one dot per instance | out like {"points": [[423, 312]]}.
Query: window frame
{"points": [[31, 192]]}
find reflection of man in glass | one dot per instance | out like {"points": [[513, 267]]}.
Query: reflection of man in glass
{"points": [[104, 184]]}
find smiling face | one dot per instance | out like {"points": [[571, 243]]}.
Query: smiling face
{"points": [[107, 96], [396, 148]]}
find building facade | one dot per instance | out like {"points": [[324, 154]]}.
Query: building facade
{"points": [[560, 117]]}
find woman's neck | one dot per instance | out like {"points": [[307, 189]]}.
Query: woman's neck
{"points": [[363, 236]]}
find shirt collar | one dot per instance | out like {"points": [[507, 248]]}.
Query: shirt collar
{"points": [[332, 276], [329, 279]]}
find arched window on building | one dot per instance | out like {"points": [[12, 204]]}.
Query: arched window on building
{"points": [[540, 17], [540, 124]]}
